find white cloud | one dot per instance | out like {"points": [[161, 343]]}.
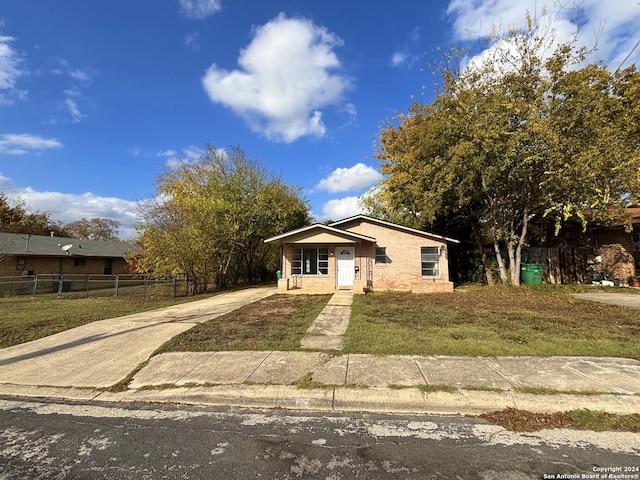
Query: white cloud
{"points": [[167, 153], [399, 58], [405, 55], [81, 76], [338, 209], [611, 25], [349, 179], [68, 110], [285, 78], [74, 111], [350, 110], [199, 9], [189, 154], [10, 71], [22, 143], [69, 207], [192, 40]]}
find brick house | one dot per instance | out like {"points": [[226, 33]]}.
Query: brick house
{"points": [[364, 254], [23, 254]]}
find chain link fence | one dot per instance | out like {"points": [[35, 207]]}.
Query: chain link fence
{"points": [[74, 285]]}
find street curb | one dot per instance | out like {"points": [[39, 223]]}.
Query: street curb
{"points": [[373, 400]]}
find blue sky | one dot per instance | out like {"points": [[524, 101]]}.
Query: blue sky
{"points": [[97, 98]]}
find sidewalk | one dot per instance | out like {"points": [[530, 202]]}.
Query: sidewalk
{"points": [[310, 380]]}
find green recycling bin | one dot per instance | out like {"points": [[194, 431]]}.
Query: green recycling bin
{"points": [[531, 273]]}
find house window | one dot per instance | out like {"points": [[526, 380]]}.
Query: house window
{"points": [[310, 261], [381, 254], [79, 262], [108, 266], [430, 259]]}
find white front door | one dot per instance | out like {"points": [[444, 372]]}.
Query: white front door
{"points": [[345, 265]]}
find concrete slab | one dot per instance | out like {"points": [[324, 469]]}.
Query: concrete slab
{"points": [[377, 371], [225, 368], [100, 356], [322, 342], [460, 372], [629, 300], [254, 396], [404, 400], [168, 368], [331, 321], [544, 372], [285, 368], [412, 400], [80, 394], [341, 297], [620, 375], [332, 372]]}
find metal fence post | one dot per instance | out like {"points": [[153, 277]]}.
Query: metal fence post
{"points": [[117, 281]]}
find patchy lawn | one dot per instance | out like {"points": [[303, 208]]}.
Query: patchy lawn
{"points": [[492, 321], [27, 318], [274, 323]]}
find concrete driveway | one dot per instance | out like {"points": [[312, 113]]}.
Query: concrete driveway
{"points": [[623, 299], [102, 353]]}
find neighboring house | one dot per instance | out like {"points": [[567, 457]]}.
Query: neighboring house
{"points": [[618, 249], [363, 254], [23, 254], [603, 251]]}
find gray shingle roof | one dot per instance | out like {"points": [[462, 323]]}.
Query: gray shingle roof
{"points": [[25, 245]]}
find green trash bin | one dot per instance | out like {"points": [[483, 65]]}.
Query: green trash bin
{"points": [[531, 273]]}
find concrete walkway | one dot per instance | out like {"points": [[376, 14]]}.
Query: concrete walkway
{"points": [[78, 363], [328, 329], [102, 353]]}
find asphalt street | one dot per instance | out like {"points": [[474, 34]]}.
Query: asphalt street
{"points": [[53, 440]]}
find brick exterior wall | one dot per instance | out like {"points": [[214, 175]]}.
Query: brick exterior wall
{"points": [[616, 249], [402, 272], [13, 266]]}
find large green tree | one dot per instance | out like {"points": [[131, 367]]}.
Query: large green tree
{"points": [[518, 135], [16, 218], [93, 229], [210, 218]]}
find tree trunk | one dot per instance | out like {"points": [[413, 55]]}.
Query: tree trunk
{"points": [[517, 254], [483, 256], [504, 276]]}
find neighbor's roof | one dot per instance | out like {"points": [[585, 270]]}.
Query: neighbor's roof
{"points": [[320, 227], [366, 218], [23, 245]]}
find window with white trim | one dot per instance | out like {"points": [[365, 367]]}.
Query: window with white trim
{"points": [[430, 259], [310, 261]]}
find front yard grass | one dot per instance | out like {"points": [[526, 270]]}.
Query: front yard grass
{"points": [[27, 318], [274, 323], [492, 321]]}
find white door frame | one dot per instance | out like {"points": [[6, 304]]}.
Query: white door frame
{"points": [[345, 266]]}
